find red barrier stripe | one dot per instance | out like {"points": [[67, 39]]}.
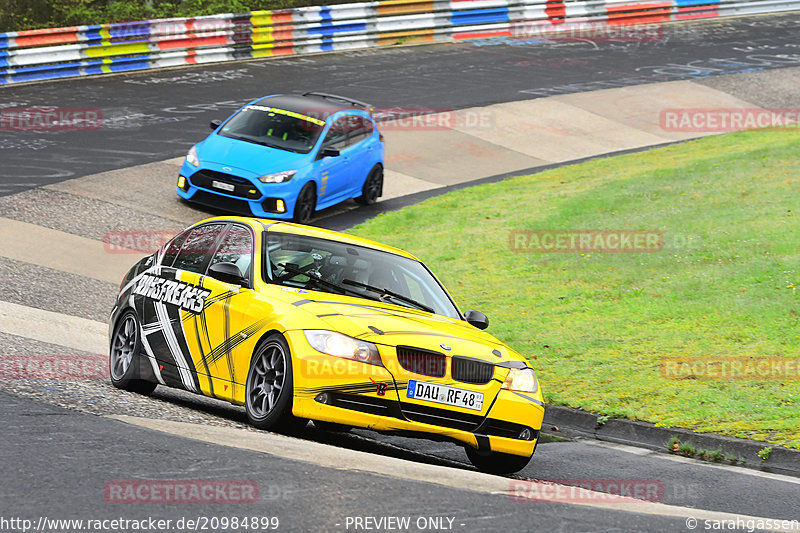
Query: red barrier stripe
{"points": [[483, 34], [556, 11], [638, 13]]}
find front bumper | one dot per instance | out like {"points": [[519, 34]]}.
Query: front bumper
{"points": [[261, 203], [332, 389]]}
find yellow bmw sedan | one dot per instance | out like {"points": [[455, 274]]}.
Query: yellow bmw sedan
{"points": [[299, 323]]}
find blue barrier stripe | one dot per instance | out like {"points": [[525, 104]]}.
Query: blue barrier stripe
{"points": [[93, 35], [326, 28], [325, 13], [3, 42], [473, 16], [45, 75], [4, 63]]}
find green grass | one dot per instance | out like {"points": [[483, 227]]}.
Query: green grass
{"points": [[598, 326]]}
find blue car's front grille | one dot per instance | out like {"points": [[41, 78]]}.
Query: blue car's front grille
{"points": [[229, 205], [240, 186]]}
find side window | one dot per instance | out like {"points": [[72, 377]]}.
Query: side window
{"points": [[172, 249], [362, 129], [337, 135], [198, 244], [237, 248]]}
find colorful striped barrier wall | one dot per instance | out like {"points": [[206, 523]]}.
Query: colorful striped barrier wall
{"points": [[118, 47]]}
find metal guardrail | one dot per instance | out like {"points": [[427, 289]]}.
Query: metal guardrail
{"points": [[120, 47]]}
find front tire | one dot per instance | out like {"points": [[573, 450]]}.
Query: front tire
{"points": [[269, 388], [497, 462], [123, 358], [373, 187], [306, 204]]}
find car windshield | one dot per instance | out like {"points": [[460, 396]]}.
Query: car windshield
{"points": [[277, 128], [329, 266]]}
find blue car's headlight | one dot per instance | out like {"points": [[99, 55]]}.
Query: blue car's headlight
{"points": [[192, 158], [278, 177], [522, 380], [333, 343]]}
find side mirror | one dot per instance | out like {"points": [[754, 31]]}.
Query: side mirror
{"points": [[477, 319], [329, 152], [214, 124], [227, 273]]}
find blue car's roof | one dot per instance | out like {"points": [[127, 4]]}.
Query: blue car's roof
{"points": [[299, 103]]}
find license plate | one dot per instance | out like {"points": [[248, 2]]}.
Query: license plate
{"points": [[433, 392], [222, 185]]}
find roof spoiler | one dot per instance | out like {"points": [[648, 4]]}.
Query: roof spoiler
{"points": [[344, 99]]}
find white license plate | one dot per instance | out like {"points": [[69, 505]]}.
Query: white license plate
{"points": [[433, 392], [222, 185]]}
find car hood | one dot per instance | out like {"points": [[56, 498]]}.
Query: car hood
{"points": [[246, 156], [392, 325]]}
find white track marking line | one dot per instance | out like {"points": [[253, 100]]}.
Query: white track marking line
{"points": [[687, 460], [54, 328], [62, 251], [342, 458]]}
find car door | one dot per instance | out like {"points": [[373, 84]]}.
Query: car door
{"points": [[166, 295], [361, 154], [335, 173], [224, 327]]}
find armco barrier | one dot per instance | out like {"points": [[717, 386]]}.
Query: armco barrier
{"points": [[119, 47]]}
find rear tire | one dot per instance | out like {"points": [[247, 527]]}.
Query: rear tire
{"points": [[373, 187], [306, 204], [497, 462], [123, 358]]}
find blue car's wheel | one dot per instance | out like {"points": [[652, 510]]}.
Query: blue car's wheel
{"points": [[306, 204], [373, 187]]}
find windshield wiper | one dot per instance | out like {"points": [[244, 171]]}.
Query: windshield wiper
{"points": [[299, 271], [386, 292], [254, 141]]}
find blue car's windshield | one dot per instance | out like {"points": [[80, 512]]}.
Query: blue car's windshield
{"points": [[277, 128]]}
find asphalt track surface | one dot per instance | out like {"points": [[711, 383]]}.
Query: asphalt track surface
{"points": [[57, 461], [152, 116]]}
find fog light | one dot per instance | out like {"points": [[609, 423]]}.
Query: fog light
{"points": [[280, 206], [525, 434], [322, 398], [182, 183]]}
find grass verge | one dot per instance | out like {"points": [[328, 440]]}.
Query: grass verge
{"points": [[601, 328]]}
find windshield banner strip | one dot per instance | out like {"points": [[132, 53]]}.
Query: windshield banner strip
{"points": [[292, 114]]}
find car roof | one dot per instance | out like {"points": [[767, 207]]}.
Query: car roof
{"points": [[310, 231], [300, 103]]}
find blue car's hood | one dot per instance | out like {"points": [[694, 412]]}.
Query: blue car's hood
{"points": [[247, 156]]}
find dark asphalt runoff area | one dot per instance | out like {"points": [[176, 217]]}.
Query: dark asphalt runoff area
{"points": [[152, 116], [78, 455]]}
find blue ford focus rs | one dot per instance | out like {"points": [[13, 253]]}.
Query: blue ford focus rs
{"points": [[287, 156]]}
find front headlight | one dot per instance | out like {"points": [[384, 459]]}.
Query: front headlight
{"points": [[333, 343], [278, 177], [521, 380], [192, 158]]}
